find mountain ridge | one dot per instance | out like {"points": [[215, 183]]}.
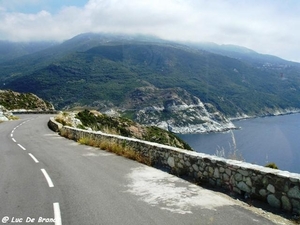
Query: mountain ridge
{"points": [[104, 71]]}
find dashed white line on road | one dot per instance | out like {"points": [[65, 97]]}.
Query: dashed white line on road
{"points": [[21, 147], [34, 159], [57, 215], [14, 140], [50, 183]]}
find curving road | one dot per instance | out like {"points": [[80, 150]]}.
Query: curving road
{"points": [[44, 177]]}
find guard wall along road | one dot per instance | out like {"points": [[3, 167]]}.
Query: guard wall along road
{"points": [[280, 189]]}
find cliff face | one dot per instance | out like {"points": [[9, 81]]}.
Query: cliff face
{"points": [[176, 110]]}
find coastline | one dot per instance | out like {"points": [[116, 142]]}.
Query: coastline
{"points": [[276, 113], [222, 127]]}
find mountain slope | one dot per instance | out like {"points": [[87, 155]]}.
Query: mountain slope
{"points": [[104, 72], [25, 101], [12, 50]]}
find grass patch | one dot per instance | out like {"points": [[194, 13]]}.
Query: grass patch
{"points": [[13, 117], [66, 134], [62, 121], [114, 147]]}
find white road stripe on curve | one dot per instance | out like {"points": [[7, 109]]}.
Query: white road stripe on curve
{"points": [[21, 147], [34, 159], [50, 183]]}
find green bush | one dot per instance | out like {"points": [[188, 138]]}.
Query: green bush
{"points": [[272, 165]]}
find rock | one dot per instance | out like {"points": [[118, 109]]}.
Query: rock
{"points": [[248, 181], [179, 165], [286, 204], [263, 192], [216, 173], [244, 172], [244, 187], [4, 114], [294, 192], [296, 206], [195, 167], [238, 177], [273, 201], [211, 170], [228, 172], [271, 188], [186, 113], [225, 177], [171, 162]]}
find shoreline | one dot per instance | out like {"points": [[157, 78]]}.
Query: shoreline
{"points": [[281, 113], [244, 117]]}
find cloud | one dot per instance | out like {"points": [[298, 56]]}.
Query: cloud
{"points": [[266, 26]]}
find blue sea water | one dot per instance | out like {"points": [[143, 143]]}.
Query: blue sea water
{"points": [[259, 141]]}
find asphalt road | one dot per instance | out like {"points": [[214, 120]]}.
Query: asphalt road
{"points": [[45, 177]]}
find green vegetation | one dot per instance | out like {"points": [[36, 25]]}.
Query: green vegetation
{"points": [[128, 128], [272, 165], [107, 73], [62, 121], [158, 135], [14, 100]]}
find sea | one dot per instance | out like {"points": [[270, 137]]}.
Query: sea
{"points": [[259, 141]]}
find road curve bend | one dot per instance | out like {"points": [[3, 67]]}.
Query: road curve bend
{"points": [[47, 179]]}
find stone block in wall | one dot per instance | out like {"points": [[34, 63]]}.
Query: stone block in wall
{"points": [[294, 192], [274, 201], [286, 203], [244, 187], [271, 188]]}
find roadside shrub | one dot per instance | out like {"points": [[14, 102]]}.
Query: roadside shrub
{"points": [[272, 165]]}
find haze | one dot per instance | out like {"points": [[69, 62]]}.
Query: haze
{"points": [[269, 26]]}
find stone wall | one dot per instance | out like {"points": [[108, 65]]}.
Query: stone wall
{"points": [[280, 189], [53, 125]]}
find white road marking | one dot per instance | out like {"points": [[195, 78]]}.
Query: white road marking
{"points": [[21, 147], [14, 140], [50, 183], [57, 215], [11, 134], [171, 193], [34, 159]]}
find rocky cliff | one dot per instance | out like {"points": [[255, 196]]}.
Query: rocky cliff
{"points": [[176, 110]]}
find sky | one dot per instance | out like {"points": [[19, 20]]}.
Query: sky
{"points": [[266, 26]]}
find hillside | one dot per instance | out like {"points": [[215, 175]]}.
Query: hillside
{"points": [[107, 72], [121, 126], [12, 50], [23, 101]]}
